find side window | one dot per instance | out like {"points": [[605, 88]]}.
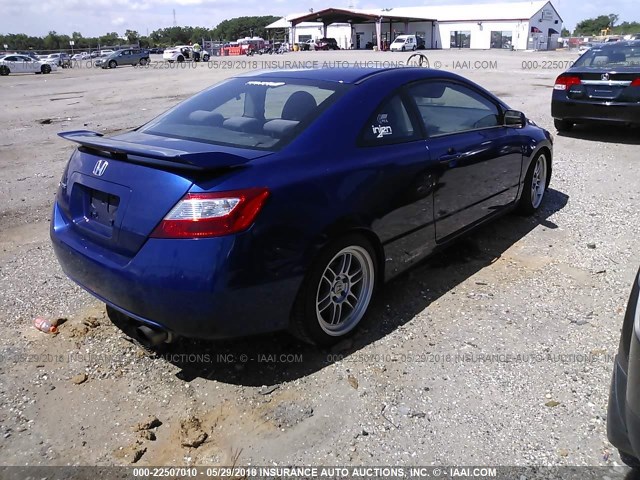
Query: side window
{"points": [[447, 107], [389, 124]]}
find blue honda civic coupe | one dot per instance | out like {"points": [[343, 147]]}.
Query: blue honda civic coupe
{"points": [[284, 199]]}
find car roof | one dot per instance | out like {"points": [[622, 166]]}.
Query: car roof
{"points": [[347, 75], [620, 43]]}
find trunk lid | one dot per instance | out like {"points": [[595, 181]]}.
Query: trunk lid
{"points": [[605, 85], [115, 191]]}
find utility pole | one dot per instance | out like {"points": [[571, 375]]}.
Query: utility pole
{"points": [[175, 22]]}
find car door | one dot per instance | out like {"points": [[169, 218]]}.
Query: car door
{"points": [[29, 65], [124, 57], [479, 160], [393, 146], [12, 63]]}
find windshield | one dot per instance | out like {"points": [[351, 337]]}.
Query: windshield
{"points": [[248, 112], [620, 56]]}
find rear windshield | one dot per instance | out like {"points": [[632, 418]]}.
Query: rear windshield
{"points": [[248, 112], [620, 56]]}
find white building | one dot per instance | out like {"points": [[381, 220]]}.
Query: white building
{"points": [[518, 25]]}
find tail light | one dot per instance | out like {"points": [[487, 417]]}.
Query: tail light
{"points": [[565, 82], [200, 215], [636, 83]]}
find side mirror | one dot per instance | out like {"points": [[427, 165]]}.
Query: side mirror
{"points": [[514, 118]]}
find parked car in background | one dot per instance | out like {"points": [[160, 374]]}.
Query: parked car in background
{"points": [[81, 56], [122, 57], [327, 44], [59, 59], [156, 50], [587, 46], [14, 63], [602, 86], [231, 214], [182, 53], [307, 45], [404, 43], [623, 416]]}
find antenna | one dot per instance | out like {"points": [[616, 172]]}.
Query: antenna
{"points": [[175, 22]]}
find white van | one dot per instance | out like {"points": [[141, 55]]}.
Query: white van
{"points": [[403, 43]]}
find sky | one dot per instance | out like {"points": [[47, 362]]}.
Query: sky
{"points": [[97, 17]]}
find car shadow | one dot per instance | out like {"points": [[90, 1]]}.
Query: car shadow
{"points": [[605, 133], [275, 358]]}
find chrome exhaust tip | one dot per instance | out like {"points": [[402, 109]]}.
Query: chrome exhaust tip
{"points": [[153, 337]]}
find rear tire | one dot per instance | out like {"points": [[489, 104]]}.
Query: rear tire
{"points": [[535, 184], [180, 59], [336, 292], [205, 58], [4, 70], [562, 125], [45, 69]]}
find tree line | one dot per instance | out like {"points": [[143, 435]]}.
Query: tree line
{"points": [[607, 23], [228, 30]]}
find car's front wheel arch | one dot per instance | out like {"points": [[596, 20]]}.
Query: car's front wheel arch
{"points": [[533, 191], [548, 155]]}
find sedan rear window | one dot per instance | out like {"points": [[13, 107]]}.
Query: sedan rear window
{"points": [[248, 112], [621, 56]]}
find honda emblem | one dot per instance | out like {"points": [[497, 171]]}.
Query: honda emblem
{"points": [[100, 168], [605, 77]]}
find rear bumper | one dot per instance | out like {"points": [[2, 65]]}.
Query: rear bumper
{"points": [[597, 112], [210, 288]]}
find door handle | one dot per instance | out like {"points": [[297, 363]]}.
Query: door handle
{"points": [[452, 157]]}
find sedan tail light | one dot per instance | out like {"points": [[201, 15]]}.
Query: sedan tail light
{"points": [[200, 215], [564, 82], [636, 82]]}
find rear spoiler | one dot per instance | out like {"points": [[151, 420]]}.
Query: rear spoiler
{"points": [[160, 156]]}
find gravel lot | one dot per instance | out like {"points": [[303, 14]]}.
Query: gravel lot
{"points": [[495, 352]]}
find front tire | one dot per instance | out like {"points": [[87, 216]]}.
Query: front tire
{"points": [[336, 292], [562, 125], [535, 184], [113, 64], [205, 58], [4, 70], [143, 61], [180, 59]]}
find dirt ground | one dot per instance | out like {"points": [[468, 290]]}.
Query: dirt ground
{"points": [[496, 352]]}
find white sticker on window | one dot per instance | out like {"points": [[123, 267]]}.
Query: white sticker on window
{"points": [[382, 130]]}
